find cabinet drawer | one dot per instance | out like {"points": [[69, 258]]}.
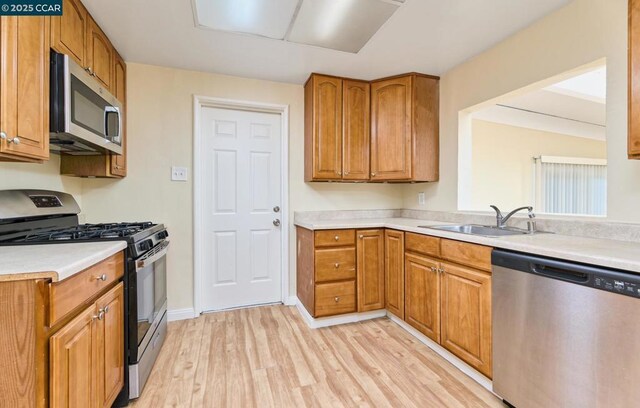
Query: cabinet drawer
{"points": [[476, 256], [335, 264], [335, 298], [422, 244], [335, 238], [70, 293]]}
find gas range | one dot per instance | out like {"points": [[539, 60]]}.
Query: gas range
{"points": [[35, 217]]}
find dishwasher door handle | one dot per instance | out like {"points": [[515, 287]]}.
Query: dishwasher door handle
{"points": [[560, 273]]}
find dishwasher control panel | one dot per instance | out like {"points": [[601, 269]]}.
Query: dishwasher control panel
{"points": [[615, 285]]}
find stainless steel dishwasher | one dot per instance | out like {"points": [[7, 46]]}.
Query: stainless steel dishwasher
{"points": [[564, 334]]}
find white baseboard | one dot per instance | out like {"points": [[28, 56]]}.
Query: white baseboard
{"points": [[444, 353], [181, 314], [316, 323], [291, 301]]}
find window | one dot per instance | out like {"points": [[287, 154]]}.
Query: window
{"points": [[570, 185]]}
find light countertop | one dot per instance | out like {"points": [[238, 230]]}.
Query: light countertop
{"points": [[54, 261], [603, 252]]}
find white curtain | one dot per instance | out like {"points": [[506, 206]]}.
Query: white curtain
{"points": [[572, 186]]}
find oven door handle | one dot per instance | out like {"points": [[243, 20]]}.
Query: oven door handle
{"points": [[156, 254]]}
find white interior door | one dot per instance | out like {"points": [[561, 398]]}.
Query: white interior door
{"points": [[241, 179]]}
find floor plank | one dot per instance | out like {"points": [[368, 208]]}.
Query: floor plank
{"points": [[268, 357]]}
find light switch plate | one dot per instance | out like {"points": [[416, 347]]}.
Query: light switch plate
{"points": [[178, 173], [421, 199]]}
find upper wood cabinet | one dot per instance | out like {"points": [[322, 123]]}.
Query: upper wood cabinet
{"points": [[405, 128], [633, 116], [355, 130], [119, 161], [394, 271], [68, 31], [370, 269], [99, 54], [24, 88], [323, 128], [386, 130], [336, 129]]}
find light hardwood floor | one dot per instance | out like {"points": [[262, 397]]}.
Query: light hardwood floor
{"points": [[268, 357]]}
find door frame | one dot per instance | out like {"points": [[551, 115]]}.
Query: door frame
{"points": [[200, 102]]}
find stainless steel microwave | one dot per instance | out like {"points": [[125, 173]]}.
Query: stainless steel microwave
{"points": [[85, 119]]}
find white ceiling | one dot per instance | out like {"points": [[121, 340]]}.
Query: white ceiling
{"points": [[429, 36], [576, 107]]}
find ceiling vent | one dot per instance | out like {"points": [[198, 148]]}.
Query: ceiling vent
{"points": [[343, 25]]}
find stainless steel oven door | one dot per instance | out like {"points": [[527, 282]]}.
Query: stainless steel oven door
{"points": [[151, 271]]}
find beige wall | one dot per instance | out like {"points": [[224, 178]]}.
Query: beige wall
{"points": [[39, 176], [581, 32], [507, 181], [160, 129]]}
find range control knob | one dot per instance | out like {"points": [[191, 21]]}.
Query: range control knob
{"points": [[162, 234], [145, 245]]}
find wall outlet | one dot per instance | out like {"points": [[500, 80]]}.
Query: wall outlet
{"points": [[421, 199], [178, 173]]}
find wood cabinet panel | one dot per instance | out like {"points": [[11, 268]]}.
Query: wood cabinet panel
{"points": [[335, 298], [423, 244], [67, 295], [391, 110], [355, 128], [426, 128], [466, 316], [119, 161], [335, 264], [72, 369], [328, 238], [476, 256], [323, 128], [305, 269], [370, 247], [633, 114], [24, 87], [422, 295], [110, 346], [68, 31], [394, 272], [99, 54]]}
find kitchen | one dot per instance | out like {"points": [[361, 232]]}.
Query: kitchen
{"points": [[168, 97]]}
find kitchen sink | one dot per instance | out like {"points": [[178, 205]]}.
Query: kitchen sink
{"points": [[483, 230]]}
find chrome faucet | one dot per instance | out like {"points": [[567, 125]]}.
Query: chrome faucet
{"points": [[501, 220]]}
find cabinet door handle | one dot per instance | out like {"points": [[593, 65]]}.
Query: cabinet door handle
{"points": [[434, 269], [361, 236], [373, 174], [337, 265], [102, 277], [337, 299], [15, 140], [100, 315], [336, 237], [106, 309]]}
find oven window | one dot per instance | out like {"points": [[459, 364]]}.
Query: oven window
{"points": [[152, 294], [91, 112]]}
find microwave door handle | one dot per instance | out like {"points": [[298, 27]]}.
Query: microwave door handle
{"points": [[107, 111]]}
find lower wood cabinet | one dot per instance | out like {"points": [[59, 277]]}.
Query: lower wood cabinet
{"points": [[370, 269], [422, 295], [466, 315], [62, 343], [394, 272], [87, 355], [338, 273]]}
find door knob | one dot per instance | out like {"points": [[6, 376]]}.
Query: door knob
{"points": [[276, 209], [276, 222]]}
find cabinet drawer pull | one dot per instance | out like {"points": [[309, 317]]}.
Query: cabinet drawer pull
{"points": [[434, 269], [102, 277], [100, 315], [337, 299], [373, 174], [361, 236], [337, 265], [336, 237]]}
